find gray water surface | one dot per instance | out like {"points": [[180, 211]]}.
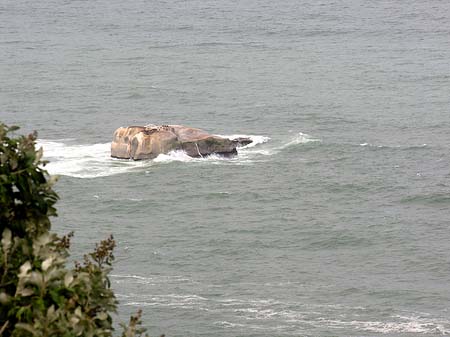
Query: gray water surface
{"points": [[336, 223]]}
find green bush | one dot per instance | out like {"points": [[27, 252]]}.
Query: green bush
{"points": [[39, 295]]}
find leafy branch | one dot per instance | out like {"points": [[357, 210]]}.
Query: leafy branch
{"points": [[39, 295]]}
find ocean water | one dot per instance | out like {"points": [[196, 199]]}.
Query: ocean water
{"points": [[335, 222]]}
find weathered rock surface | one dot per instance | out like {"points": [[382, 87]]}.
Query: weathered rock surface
{"points": [[147, 142]]}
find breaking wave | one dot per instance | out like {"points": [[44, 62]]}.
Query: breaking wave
{"points": [[82, 161], [300, 138], [94, 160], [392, 146]]}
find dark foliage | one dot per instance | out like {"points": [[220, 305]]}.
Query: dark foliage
{"points": [[39, 295]]}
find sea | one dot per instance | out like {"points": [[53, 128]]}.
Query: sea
{"points": [[335, 221]]}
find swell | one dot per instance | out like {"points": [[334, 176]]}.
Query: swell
{"points": [[285, 316]]}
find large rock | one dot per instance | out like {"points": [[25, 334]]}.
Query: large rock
{"points": [[147, 142]]}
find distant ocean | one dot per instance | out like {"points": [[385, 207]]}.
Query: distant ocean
{"points": [[334, 222]]}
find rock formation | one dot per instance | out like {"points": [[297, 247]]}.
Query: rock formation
{"points": [[147, 142]]}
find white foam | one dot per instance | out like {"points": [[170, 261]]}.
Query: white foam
{"points": [[301, 138], [168, 300], [395, 146], [298, 139], [265, 313], [248, 152], [82, 161], [227, 324], [150, 280], [406, 325], [180, 156], [256, 140]]}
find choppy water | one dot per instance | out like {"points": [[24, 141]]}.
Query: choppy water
{"points": [[336, 223]]}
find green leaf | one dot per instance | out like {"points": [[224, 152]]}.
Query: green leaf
{"points": [[39, 154], [76, 302], [13, 128], [102, 316], [68, 279], [25, 292], [6, 240], [27, 327], [4, 298], [56, 297], [23, 312]]}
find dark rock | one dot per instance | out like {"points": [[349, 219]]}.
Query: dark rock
{"points": [[242, 141], [139, 142]]}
